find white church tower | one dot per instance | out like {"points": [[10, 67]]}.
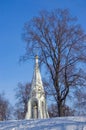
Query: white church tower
{"points": [[37, 104]]}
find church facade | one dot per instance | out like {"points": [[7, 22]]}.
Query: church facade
{"points": [[37, 107]]}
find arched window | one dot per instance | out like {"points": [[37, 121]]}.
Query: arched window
{"points": [[34, 109]]}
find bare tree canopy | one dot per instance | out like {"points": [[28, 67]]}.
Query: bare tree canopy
{"points": [[60, 43], [80, 102], [5, 108], [22, 96]]}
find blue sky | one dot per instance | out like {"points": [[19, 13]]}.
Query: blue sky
{"points": [[13, 15]]}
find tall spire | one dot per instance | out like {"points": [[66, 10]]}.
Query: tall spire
{"points": [[36, 104], [36, 80]]}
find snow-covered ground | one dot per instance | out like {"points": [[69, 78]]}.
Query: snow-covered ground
{"points": [[63, 123]]}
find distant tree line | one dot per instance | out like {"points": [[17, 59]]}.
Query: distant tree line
{"points": [[78, 100], [5, 108], [19, 109]]}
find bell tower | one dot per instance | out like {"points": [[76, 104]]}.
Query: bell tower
{"points": [[37, 107]]}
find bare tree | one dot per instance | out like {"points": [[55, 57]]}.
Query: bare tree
{"points": [[22, 96], [5, 108], [80, 102], [61, 45], [67, 111]]}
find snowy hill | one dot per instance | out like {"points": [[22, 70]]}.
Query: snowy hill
{"points": [[64, 123]]}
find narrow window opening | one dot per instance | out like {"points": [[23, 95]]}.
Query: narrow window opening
{"points": [[34, 109]]}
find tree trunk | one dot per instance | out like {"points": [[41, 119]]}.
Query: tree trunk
{"points": [[60, 109]]}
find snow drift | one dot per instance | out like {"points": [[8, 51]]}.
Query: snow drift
{"points": [[62, 123]]}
